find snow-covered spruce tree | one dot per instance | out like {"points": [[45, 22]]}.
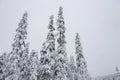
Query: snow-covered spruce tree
{"points": [[19, 54], [80, 60], [51, 39], [33, 65], [61, 56], [47, 54]]}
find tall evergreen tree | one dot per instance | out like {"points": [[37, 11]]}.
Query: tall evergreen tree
{"points": [[47, 53], [60, 66], [20, 51], [51, 45], [61, 31], [80, 60], [51, 38]]}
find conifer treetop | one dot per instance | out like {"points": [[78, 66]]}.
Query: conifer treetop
{"points": [[60, 21], [50, 36], [60, 11], [77, 39], [23, 21], [78, 46], [61, 29], [21, 33], [51, 23]]}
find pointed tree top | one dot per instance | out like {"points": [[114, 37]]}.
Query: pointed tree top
{"points": [[23, 21], [60, 10], [117, 69], [77, 41], [60, 21], [25, 15], [51, 17], [77, 36], [51, 23]]}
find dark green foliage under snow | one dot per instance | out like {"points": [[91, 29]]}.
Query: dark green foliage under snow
{"points": [[53, 64]]}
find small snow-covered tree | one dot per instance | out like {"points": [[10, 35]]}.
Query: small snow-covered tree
{"points": [[117, 70], [47, 53], [61, 56], [19, 54], [80, 60], [117, 74]]}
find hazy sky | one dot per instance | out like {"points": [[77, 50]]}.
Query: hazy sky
{"points": [[97, 21]]}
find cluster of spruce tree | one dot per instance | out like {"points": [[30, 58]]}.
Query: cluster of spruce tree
{"points": [[53, 64]]}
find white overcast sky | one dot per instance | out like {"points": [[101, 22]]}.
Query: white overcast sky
{"points": [[97, 21]]}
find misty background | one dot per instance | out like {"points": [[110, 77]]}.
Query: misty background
{"points": [[97, 22]]}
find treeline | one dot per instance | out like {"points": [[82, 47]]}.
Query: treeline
{"points": [[53, 64]]}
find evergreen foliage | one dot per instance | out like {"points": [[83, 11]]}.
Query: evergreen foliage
{"points": [[80, 60], [19, 54], [47, 53], [21, 64], [61, 56]]}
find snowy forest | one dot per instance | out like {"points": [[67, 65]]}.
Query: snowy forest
{"points": [[53, 63]]}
